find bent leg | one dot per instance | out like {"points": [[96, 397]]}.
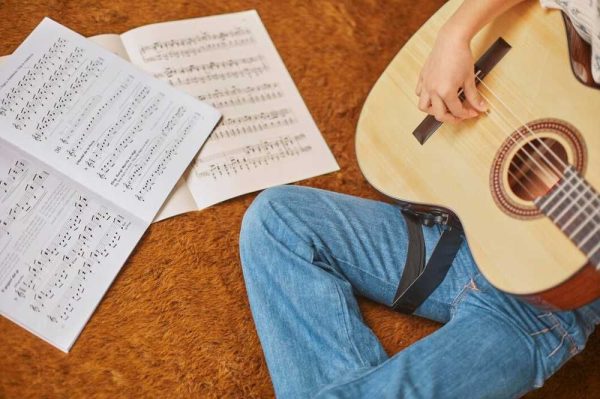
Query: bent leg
{"points": [[305, 253], [494, 347]]}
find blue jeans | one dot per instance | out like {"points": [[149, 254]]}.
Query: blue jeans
{"points": [[308, 253]]}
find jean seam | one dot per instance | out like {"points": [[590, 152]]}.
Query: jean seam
{"points": [[342, 315], [345, 323], [468, 287], [370, 371], [356, 267]]}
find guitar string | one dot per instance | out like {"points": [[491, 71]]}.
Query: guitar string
{"points": [[518, 167], [512, 139], [517, 154], [519, 99], [497, 122], [513, 114], [526, 126], [587, 190], [581, 196], [518, 131], [572, 189]]}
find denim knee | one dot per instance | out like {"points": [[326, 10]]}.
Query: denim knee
{"points": [[261, 212]]}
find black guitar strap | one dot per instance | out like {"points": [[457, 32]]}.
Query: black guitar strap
{"points": [[418, 279]]}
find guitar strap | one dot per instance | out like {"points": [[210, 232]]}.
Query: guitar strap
{"points": [[418, 279]]}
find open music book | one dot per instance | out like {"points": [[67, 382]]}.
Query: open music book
{"points": [[267, 136], [90, 148]]}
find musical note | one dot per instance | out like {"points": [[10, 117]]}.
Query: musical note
{"points": [[58, 108], [90, 149], [254, 123], [250, 157], [32, 191], [198, 44], [18, 94], [13, 177], [239, 68], [151, 149], [233, 65], [96, 118], [128, 138], [79, 235], [103, 142], [89, 234], [166, 157], [235, 96]]}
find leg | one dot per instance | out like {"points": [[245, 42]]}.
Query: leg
{"points": [[304, 254], [494, 347]]}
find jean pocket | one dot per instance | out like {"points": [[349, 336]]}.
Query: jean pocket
{"points": [[556, 336]]}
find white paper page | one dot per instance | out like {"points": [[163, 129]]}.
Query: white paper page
{"points": [[112, 43], [61, 246], [267, 136], [179, 201], [97, 119]]}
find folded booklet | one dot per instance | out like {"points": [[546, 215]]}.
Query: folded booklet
{"points": [[267, 136], [90, 148]]}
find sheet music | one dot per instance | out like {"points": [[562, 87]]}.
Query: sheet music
{"points": [[60, 247], [112, 43], [89, 149], [267, 136], [99, 120]]}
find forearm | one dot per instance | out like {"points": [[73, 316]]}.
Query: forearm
{"points": [[473, 15]]}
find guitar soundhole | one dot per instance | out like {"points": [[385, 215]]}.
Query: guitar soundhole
{"points": [[531, 172], [525, 166]]}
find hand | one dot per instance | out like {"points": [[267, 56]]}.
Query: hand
{"points": [[449, 68]]}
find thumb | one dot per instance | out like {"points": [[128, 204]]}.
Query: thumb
{"points": [[473, 96]]}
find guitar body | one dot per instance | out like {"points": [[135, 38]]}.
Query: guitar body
{"points": [[463, 171]]}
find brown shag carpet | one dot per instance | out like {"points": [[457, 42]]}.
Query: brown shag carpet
{"points": [[176, 322]]}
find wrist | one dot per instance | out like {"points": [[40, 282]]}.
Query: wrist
{"points": [[456, 32]]}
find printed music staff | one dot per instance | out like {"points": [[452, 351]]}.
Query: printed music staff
{"points": [[90, 148], [230, 62]]}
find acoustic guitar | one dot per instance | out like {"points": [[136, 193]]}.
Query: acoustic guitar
{"points": [[522, 178]]}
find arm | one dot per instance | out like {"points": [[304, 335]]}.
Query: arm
{"points": [[449, 66]]}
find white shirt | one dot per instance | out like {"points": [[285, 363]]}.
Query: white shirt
{"points": [[585, 16]]}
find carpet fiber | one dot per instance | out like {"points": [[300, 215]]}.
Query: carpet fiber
{"points": [[176, 322]]}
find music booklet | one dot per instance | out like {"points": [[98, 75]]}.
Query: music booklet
{"points": [[90, 148]]}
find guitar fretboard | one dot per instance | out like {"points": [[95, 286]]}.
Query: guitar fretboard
{"points": [[574, 206]]}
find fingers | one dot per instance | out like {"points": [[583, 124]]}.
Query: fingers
{"points": [[424, 101], [439, 110], [473, 97], [447, 107], [456, 107]]}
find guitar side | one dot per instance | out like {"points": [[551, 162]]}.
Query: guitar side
{"points": [[451, 171]]}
